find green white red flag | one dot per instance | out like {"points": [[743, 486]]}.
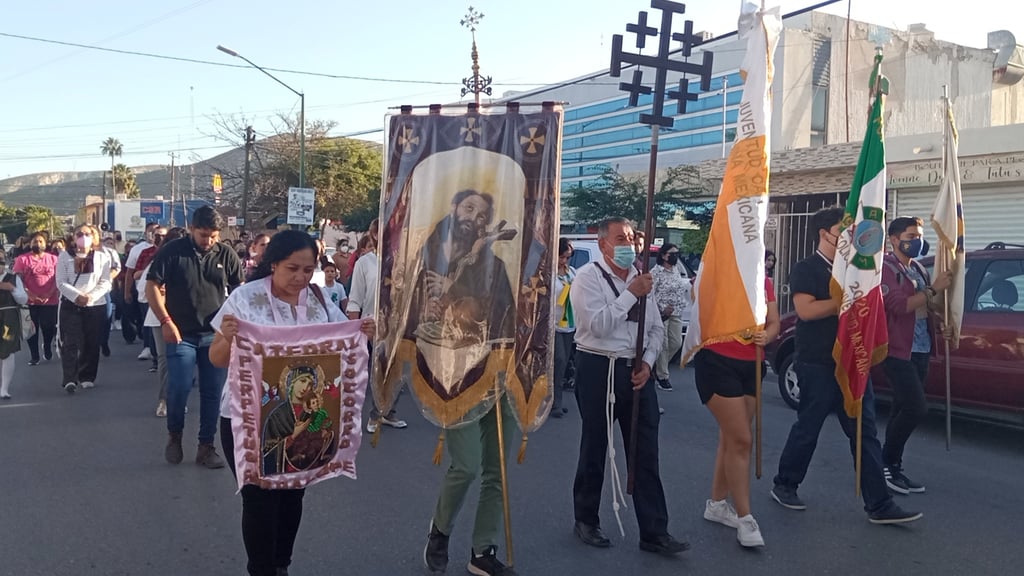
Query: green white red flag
{"points": [[862, 340]]}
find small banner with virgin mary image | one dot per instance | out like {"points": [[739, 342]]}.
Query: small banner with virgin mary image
{"points": [[468, 248], [296, 402]]}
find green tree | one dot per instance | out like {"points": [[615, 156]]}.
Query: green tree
{"points": [[125, 178], [360, 218], [17, 222], [111, 147], [345, 172], [615, 195], [701, 214], [41, 218]]}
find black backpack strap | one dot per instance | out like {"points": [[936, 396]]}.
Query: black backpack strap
{"points": [[319, 296], [895, 269], [634, 313], [608, 279]]}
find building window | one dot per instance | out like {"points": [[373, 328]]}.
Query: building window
{"points": [[820, 75], [819, 115]]}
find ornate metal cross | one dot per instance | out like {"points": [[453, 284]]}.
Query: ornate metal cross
{"points": [[476, 83], [661, 62]]}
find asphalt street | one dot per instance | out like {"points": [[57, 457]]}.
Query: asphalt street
{"points": [[84, 490]]}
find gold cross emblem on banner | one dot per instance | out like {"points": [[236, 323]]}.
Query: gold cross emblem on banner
{"points": [[471, 130], [406, 139], [533, 141], [533, 291]]}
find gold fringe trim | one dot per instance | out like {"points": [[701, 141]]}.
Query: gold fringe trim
{"points": [[439, 451], [375, 439], [734, 337], [522, 450]]}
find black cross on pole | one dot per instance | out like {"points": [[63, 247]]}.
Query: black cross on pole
{"points": [[661, 63]]}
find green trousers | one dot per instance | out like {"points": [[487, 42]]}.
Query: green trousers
{"points": [[473, 450]]}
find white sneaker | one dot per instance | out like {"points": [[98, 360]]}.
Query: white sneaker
{"points": [[161, 409], [86, 385], [721, 512], [117, 324], [145, 354], [393, 422], [371, 426], [748, 533]]}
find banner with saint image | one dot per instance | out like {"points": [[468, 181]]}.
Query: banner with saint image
{"points": [[296, 402], [468, 247]]}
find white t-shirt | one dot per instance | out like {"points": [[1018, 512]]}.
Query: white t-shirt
{"points": [[115, 263], [133, 256], [335, 293], [363, 298], [252, 302]]}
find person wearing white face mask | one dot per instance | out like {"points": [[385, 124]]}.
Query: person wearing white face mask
{"points": [[12, 295], [83, 278], [606, 296]]}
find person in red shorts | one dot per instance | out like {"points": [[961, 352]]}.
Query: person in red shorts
{"points": [[726, 375]]}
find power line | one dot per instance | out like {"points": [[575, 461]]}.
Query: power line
{"points": [[224, 64]]}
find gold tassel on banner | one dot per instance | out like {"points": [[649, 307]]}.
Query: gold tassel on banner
{"points": [[439, 451], [522, 451], [376, 436]]}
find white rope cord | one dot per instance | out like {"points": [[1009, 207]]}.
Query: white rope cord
{"points": [[618, 495]]}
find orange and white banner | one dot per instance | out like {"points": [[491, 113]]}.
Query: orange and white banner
{"points": [[729, 293]]}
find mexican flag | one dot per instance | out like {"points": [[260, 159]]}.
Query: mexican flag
{"points": [[863, 339]]}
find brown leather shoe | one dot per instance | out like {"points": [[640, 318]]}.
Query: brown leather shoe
{"points": [[173, 453], [207, 456]]}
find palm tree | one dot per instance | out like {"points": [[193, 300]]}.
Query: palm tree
{"points": [[128, 184], [110, 147]]}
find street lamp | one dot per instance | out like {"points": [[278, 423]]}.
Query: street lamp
{"points": [[302, 113]]}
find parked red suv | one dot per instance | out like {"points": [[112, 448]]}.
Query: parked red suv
{"points": [[987, 370]]}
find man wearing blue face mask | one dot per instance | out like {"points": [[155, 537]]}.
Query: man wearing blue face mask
{"points": [[605, 297], [908, 295]]}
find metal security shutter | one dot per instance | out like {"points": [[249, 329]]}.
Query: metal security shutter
{"points": [[991, 214]]}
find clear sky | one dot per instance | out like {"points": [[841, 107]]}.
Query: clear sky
{"points": [[58, 103]]}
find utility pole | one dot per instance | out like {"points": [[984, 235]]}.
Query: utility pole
{"points": [[250, 141], [725, 106], [171, 188]]}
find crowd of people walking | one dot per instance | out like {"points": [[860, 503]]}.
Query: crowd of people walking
{"points": [[181, 292]]}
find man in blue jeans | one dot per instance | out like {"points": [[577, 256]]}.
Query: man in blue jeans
{"points": [[820, 395], [196, 272]]}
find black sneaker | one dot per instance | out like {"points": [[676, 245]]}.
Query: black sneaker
{"points": [[787, 497], [894, 481], [913, 487], [665, 385], [34, 362], [893, 514], [488, 564], [435, 555]]}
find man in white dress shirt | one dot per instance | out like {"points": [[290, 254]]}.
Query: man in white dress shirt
{"points": [[605, 297], [362, 302]]}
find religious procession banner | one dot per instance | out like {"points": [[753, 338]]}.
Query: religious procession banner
{"points": [[729, 301], [297, 398], [468, 245]]}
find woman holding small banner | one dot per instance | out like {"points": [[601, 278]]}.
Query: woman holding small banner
{"points": [[279, 293]]}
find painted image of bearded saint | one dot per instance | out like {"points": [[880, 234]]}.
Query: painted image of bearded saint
{"points": [[463, 295]]}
